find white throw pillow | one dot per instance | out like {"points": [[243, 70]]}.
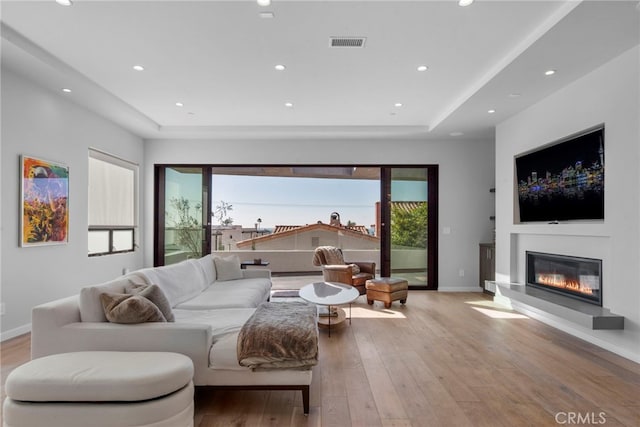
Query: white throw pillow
{"points": [[208, 267], [180, 282], [228, 268], [91, 309]]}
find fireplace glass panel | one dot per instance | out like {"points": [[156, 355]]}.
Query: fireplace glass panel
{"points": [[574, 277]]}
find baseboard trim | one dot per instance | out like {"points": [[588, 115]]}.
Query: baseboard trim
{"points": [[12, 333]]}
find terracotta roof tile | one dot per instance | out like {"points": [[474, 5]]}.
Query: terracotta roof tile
{"points": [[406, 206], [282, 231]]}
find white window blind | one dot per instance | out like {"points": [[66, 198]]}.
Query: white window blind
{"points": [[112, 184], [112, 204]]}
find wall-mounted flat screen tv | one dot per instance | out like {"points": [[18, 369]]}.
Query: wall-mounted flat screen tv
{"points": [[563, 181]]}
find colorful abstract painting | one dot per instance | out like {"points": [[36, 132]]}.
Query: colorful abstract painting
{"points": [[45, 202]]}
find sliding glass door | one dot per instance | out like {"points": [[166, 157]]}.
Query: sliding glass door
{"points": [[281, 213], [182, 213], [410, 217]]}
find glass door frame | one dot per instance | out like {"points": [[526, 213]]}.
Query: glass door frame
{"points": [[159, 207], [432, 223]]}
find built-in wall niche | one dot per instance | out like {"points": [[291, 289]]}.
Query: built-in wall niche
{"points": [[574, 277], [547, 241], [564, 180], [535, 300]]}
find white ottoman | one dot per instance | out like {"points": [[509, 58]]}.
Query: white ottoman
{"points": [[101, 389]]}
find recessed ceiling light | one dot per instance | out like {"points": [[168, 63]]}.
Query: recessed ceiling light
{"points": [[266, 15], [288, 104], [66, 90], [456, 133], [179, 104], [280, 67], [64, 2], [549, 72], [491, 111], [397, 104], [138, 67], [464, 3], [422, 68], [515, 95], [264, 2]]}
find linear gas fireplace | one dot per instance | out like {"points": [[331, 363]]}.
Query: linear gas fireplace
{"points": [[575, 277]]}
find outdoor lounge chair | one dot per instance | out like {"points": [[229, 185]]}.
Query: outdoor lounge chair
{"points": [[336, 269]]}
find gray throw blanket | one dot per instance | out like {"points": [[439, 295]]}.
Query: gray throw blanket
{"points": [[280, 335]]}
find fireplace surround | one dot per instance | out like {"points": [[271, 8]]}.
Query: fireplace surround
{"points": [[574, 277]]}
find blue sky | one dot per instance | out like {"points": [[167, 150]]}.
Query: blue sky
{"points": [[291, 201], [296, 201]]}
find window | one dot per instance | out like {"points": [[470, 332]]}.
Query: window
{"points": [[112, 204]]}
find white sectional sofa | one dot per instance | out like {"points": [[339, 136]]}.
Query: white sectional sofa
{"points": [[209, 314]]}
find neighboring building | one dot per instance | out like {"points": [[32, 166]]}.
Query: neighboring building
{"points": [[310, 236], [226, 237], [306, 237]]}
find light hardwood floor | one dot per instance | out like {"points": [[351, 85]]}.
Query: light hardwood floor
{"points": [[444, 359]]}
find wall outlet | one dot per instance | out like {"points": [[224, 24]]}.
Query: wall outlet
{"points": [[461, 272], [1, 309]]}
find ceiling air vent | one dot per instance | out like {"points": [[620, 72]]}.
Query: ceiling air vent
{"points": [[347, 41]]}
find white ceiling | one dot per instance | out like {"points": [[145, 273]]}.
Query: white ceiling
{"points": [[218, 58]]}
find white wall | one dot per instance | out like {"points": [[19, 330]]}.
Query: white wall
{"points": [[303, 240], [608, 95], [44, 124], [298, 261], [466, 174]]}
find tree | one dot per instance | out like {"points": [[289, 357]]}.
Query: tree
{"points": [[409, 227], [221, 213], [188, 227]]}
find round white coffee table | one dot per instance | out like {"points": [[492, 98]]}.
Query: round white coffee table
{"points": [[330, 294]]}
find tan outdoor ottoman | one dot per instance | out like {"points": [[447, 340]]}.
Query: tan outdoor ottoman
{"points": [[387, 290]]}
